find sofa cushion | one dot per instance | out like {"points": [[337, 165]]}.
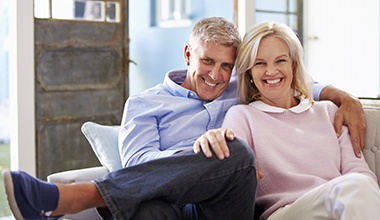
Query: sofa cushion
{"points": [[372, 148], [104, 142]]}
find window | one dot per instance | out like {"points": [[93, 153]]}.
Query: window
{"points": [[285, 11], [5, 122], [340, 49], [341, 41], [172, 13], [86, 10]]}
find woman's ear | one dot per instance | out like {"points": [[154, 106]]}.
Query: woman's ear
{"points": [[295, 65]]}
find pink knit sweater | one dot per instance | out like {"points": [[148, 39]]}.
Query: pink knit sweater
{"points": [[296, 149]]}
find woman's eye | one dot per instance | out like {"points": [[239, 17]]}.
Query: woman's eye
{"points": [[259, 63]]}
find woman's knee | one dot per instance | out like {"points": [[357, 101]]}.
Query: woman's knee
{"points": [[359, 184], [359, 180]]}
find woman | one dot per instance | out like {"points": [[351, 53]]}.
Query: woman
{"points": [[309, 172]]}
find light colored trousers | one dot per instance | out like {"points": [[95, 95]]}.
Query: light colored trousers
{"points": [[351, 196]]}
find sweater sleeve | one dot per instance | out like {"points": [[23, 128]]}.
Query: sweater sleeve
{"points": [[237, 121], [349, 162]]}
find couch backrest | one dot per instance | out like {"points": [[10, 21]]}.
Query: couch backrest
{"points": [[372, 149]]}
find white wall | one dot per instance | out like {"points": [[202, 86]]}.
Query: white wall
{"points": [[157, 50], [342, 44]]}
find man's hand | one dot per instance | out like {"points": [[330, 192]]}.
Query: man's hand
{"points": [[350, 113], [216, 140]]}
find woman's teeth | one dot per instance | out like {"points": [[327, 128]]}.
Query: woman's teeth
{"points": [[273, 81]]}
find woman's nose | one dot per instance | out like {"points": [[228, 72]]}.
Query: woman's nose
{"points": [[271, 71]]}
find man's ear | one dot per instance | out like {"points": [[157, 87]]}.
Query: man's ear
{"points": [[186, 54]]}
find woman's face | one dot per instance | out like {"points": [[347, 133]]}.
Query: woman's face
{"points": [[272, 72]]}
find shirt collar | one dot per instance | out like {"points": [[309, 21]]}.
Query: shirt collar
{"points": [[174, 79], [304, 105]]}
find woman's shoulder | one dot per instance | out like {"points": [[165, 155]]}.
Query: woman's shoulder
{"points": [[325, 106]]}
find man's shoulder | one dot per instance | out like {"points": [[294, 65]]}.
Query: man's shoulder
{"points": [[157, 89], [150, 94]]}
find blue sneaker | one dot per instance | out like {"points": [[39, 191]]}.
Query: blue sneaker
{"points": [[28, 197]]}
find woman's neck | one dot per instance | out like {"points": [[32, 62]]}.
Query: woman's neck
{"points": [[282, 103]]}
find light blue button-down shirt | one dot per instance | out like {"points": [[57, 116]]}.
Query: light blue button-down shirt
{"points": [[168, 118]]}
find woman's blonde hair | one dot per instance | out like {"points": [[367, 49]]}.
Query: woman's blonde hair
{"points": [[247, 52]]}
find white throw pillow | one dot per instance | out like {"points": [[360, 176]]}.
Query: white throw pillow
{"points": [[104, 142]]}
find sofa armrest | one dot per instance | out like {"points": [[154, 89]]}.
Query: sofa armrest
{"points": [[79, 175], [372, 149]]}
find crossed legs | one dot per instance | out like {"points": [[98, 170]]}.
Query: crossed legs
{"points": [[218, 189]]}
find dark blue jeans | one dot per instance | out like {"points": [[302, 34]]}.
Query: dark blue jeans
{"points": [[185, 186]]}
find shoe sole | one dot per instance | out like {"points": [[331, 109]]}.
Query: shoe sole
{"points": [[8, 184]]}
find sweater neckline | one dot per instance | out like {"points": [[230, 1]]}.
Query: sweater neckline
{"points": [[303, 105]]}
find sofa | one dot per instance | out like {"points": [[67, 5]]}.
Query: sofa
{"points": [[103, 140]]}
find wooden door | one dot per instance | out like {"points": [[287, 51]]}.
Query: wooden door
{"points": [[81, 75]]}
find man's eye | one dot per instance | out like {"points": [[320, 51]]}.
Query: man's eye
{"points": [[207, 61], [228, 66]]}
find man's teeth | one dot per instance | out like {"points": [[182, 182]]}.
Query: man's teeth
{"points": [[273, 81], [210, 84]]}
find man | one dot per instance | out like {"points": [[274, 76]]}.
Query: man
{"points": [[163, 178]]}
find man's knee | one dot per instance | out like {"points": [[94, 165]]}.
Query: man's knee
{"points": [[241, 150], [157, 209]]}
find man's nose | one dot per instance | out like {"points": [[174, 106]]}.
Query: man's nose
{"points": [[215, 73]]}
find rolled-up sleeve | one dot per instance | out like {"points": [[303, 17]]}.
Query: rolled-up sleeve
{"points": [[317, 89]]}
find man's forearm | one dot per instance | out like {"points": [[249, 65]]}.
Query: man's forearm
{"points": [[335, 95]]}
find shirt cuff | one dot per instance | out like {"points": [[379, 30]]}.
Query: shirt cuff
{"points": [[317, 88]]}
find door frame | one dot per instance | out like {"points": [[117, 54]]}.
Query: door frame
{"points": [[244, 15], [21, 86]]}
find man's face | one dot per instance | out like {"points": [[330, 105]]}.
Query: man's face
{"points": [[209, 69]]}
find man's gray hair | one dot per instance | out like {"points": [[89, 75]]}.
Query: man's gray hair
{"points": [[216, 30]]}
